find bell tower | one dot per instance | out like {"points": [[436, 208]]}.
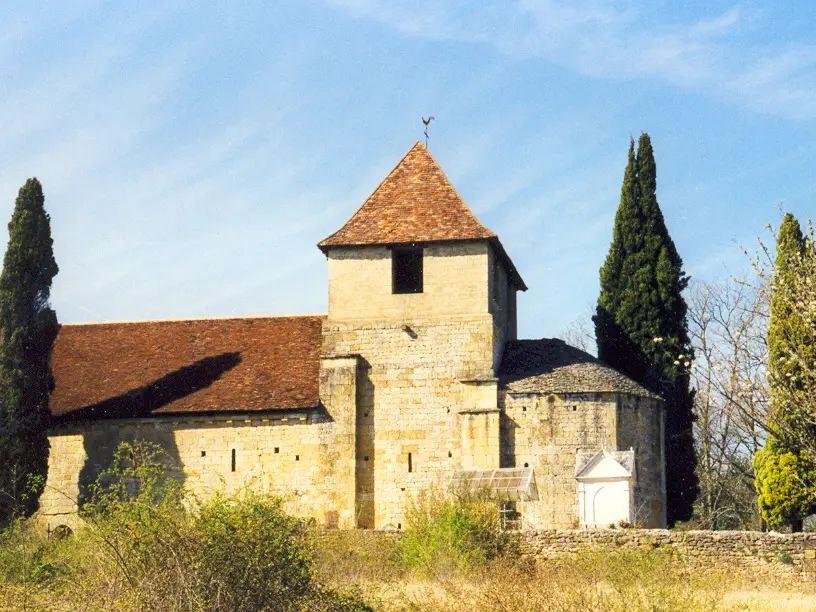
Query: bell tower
{"points": [[424, 295]]}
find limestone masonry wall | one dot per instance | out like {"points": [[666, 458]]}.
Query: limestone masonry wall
{"points": [[427, 396], [713, 549], [455, 282], [545, 432], [410, 394], [301, 456], [640, 426]]}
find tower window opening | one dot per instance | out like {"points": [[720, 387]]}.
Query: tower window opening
{"points": [[232, 467], [406, 270], [410, 463]]}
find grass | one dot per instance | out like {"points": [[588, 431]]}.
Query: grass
{"points": [[78, 572], [631, 581], [145, 547]]}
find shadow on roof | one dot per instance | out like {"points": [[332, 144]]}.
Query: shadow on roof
{"points": [[525, 358], [143, 401]]}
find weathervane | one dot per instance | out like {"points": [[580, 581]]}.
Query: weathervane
{"points": [[426, 122]]}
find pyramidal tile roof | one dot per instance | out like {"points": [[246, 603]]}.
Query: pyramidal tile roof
{"points": [[415, 203]]}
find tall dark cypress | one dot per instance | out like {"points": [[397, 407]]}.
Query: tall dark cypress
{"points": [[640, 322], [28, 328]]}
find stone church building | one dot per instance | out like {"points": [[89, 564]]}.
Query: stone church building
{"points": [[414, 377]]}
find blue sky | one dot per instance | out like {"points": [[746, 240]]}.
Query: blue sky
{"points": [[193, 154]]}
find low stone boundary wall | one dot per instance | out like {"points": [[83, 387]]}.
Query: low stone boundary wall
{"points": [[717, 549]]}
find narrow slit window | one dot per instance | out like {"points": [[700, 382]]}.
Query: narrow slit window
{"points": [[297, 457], [277, 450], [232, 467], [406, 270], [410, 463]]}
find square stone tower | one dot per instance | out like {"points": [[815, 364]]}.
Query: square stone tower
{"points": [[424, 296]]}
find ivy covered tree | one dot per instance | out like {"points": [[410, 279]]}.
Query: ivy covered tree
{"points": [[640, 321], [785, 469], [28, 328]]}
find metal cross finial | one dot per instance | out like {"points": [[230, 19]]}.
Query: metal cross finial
{"points": [[426, 122]]}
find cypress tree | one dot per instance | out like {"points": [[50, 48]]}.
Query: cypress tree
{"points": [[28, 328], [784, 473], [640, 322]]}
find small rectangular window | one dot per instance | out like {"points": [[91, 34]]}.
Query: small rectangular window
{"points": [[410, 463], [233, 460], [406, 270]]}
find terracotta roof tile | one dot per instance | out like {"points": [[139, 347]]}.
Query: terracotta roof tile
{"points": [[550, 365], [119, 370], [415, 203]]}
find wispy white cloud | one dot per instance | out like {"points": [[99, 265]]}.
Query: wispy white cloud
{"points": [[623, 40]]}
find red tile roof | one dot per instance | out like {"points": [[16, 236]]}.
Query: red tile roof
{"points": [[113, 370], [415, 203]]}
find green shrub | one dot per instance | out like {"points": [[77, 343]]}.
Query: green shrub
{"points": [[159, 550], [453, 531], [785, 558], [252, 556]]}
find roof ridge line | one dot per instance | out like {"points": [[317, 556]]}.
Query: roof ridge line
{"points": [[371, 194], [224, 318], [455, 190]]}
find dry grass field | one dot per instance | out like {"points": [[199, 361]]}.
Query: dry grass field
{"points": [[77, 574], [629, 581]]}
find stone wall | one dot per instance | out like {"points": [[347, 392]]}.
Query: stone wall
{"points": [[427, 395], [455, 282], [303, 456], [712, 549], [640, 427], [545, 432], [413, 385], [501, 304]]}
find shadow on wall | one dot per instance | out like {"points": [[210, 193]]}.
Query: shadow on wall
{"points": [[366, 457], [102, 438], [508, 427]]}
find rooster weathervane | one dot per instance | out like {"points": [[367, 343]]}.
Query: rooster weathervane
{"points": [[426, 122]]}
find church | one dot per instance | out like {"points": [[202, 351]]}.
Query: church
{"points": [[414, 378]]}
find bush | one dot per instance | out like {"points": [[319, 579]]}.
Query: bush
{"points": [[453, 531], [161, 551], [252, 555]]}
